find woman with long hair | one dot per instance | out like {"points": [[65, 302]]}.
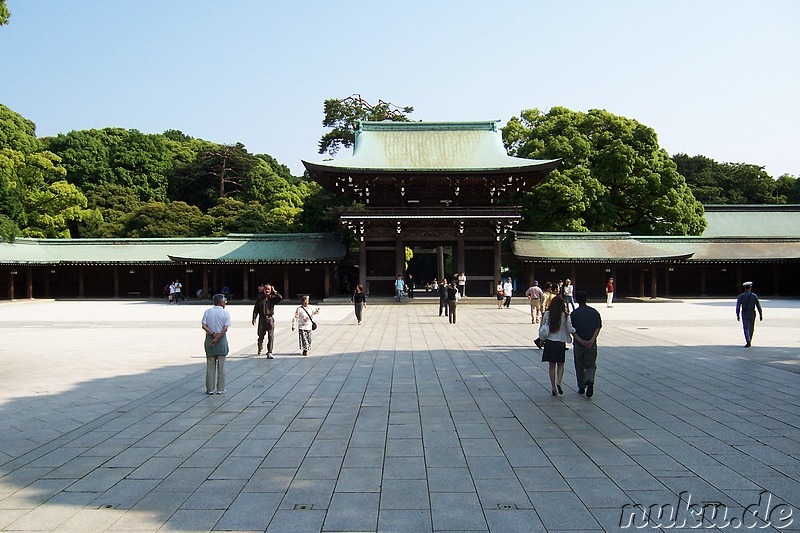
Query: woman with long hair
{"points": [[555, 342], [360, 301]]}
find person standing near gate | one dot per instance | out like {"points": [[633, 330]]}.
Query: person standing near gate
{"points": [[746, 305], [264, 310], [508, 289], [453, 296], [399, 287], [443, 298], [216, 321], [610, 292]]}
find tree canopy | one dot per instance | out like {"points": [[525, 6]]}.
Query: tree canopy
{"points": [[731, 183], [345, 114], [5, 14], [613, 176]]}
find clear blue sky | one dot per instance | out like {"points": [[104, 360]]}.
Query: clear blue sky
{"points": [[718, 78]]}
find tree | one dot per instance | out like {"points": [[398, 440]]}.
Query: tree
{"points": [[112, 203], [174, 219], [788, 187], [344, 115], [17, 132], [5, 14], [129, 158], [727, 183], [613, 176], [233, 216]]}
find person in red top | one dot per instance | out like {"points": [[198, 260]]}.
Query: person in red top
{"points": [[610, 292]]}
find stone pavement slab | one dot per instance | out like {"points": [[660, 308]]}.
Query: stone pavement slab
{"points": [[404, 423]]}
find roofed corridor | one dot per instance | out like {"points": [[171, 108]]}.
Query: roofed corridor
{"points": [[405, 423]]}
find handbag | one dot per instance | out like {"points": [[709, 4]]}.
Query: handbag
{"points": [[313, 324], [544, 330]]}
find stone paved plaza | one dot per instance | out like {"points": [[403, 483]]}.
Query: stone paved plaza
{"points": [[405, 423]]}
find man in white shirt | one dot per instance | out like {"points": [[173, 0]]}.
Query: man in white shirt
{"points": [[508, 288], [216, 321]]}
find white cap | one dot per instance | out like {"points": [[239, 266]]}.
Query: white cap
{"points": [[747, 284]]}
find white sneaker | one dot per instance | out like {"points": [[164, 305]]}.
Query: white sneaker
{"points": [[221, 391]]}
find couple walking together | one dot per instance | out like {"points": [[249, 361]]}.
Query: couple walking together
{"points": [[559, 328]]}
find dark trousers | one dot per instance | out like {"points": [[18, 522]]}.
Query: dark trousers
{"points": [[748, 326], [453, 306], [266, 327], [359, 309], [585, 363], [442, 305], [507, 303]]}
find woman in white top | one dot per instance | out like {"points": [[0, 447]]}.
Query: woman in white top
{"points": [[555, 343], [304, 324], [568, 289]]}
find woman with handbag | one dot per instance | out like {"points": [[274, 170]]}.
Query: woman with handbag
{"points": [[304, 323], [555, 331]]}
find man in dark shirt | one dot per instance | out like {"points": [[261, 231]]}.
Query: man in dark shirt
{"points": [[264, 310], [746, 305], [587, 323]]}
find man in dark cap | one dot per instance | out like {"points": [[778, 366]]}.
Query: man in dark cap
{"points": [[746, 305]]}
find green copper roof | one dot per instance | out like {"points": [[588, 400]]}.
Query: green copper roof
{"points": [[601, 247], [430, 146], [752, 221], [273, 248], [257, 248]]}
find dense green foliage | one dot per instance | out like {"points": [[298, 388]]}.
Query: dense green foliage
{"points": [[5, 14], [734, 183], [613, 176], [344, 115], [115, 182]]}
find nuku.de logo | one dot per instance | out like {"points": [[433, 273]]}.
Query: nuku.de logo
{"points": [[686, 514]]}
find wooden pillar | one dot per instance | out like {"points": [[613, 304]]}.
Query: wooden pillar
{"points": [[702, 280], [666, 280], [47, 276], [399, 256], [440, 263], [362, 264], [653, 282], [246, 282], [286, 281], [151, 282], [29, 283], [80, 281], [497, 262], [10, 284], [116, 281], [641, 282], [738, 278], [461, 254], [327, 270], [205, 280]]}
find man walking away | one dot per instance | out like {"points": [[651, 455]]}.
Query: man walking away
{"points": [[534, 295], [746, 305], [216, 321], [587, 323]]}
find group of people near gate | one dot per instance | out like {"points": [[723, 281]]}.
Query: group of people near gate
{"points": [[562, 313]]}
